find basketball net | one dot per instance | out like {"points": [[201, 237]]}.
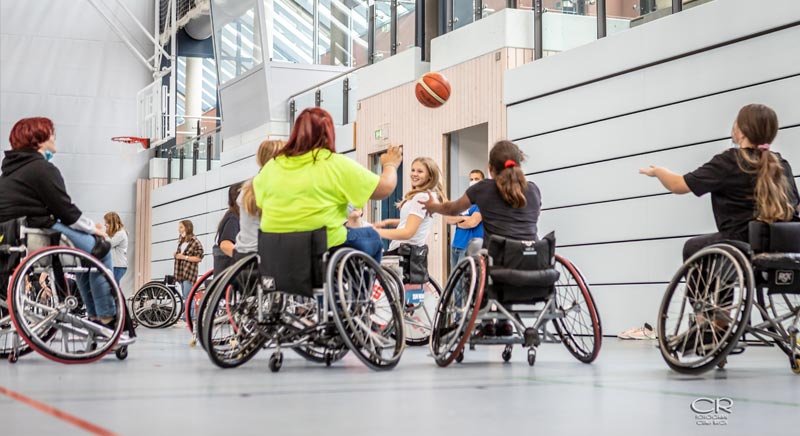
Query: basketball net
{"points": [[129, 146]]}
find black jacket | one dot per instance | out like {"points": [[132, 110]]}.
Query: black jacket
{"points": [[32, 187]]}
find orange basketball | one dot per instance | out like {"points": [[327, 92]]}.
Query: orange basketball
{"points": [[432, 90]]}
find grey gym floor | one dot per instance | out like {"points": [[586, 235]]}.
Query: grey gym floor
{"points": [[167, 388]]}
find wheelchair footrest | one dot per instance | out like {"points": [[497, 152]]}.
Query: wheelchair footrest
{"points": [[496, 340]]}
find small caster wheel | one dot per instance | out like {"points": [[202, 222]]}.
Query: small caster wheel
{"points": [[328, 358], [507, 354], [721, 364], [531, 357], [460, 357], [193, 342], [121, 353], [275, 362], [12, 358], [795, 366]]}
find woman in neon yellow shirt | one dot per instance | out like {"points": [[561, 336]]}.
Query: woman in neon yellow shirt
{"points": [[308, 186]]}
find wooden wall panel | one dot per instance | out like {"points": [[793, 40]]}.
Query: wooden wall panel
{"points": [[476, 98], [141, 263]]}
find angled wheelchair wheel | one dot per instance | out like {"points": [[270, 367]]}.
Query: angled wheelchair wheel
{"points": [[193, 299], [320, 348], [705, 309], [419, 314], [458, 308], [11, 345], [578, 325], [154, 305], [202, 305], [784, 310], [58, 327], [372, 329], [179, 306], [231, 331]]}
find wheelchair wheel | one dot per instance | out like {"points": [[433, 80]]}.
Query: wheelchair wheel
{"points": [[59, 328], [179, 306], [458, 308], [419, 316], [231, 332], [197, 327], [10, 342], [579, 329], [784, 310], [705, 309], [193, 299], [319, 349], [372, 330], [154, 305]]}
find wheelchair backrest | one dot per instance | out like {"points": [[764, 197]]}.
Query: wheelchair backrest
{"points": [[293, 260], [522, 255], [414, 261], [775, 237]]}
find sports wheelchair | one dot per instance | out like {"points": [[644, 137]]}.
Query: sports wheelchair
{"points": [[51, 318], [194, 298], [297, 294], [158, 304], [420, 292], [707, 306], [514, 280]]}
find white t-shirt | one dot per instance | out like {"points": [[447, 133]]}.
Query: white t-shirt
{"points": [[413, 207]]}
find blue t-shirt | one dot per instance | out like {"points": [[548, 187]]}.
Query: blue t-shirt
{"points": [[463, 236]]}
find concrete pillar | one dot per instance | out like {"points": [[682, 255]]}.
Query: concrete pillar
{"points": [[194, 91]]}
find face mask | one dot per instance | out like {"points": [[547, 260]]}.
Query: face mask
{"points": [[473, 182], [48, 155], [183, 234]]}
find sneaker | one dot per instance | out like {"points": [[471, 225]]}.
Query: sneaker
{"points": [[700, 348], [642, 333], [627, 333], [504, 328]]}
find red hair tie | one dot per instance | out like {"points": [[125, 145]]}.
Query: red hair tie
{"points": [[510, 163]]}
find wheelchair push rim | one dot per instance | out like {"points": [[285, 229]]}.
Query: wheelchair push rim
{"points": [[446, 349], [705, 309], [192, 300], [58, 331], [578, 325], [374, 333]]}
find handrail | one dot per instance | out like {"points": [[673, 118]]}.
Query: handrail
{"points": [[293, 96]]}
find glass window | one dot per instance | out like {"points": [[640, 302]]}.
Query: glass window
{"points": [[237, 37], [383, 30], [293, 30], [406, 24]]}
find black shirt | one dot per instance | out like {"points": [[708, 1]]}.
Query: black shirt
{"points": [[732, 191], [32, 187], [228, 228], [500, 218]]}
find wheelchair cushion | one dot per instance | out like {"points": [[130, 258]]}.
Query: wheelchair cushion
{"points": [[414, 260], [293, 260], [775, 237], [522, 271]]}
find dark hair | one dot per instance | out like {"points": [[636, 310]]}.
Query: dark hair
{"points": [[313, 130], [505, 159], [233, 194], [29, 133], [759, 124], [483, 176]]}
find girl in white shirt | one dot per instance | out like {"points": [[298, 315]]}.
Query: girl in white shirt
{"points": [[119, 244], [414, 223]]}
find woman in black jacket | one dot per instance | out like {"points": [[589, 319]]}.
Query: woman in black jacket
{"points": [[32, 187]]}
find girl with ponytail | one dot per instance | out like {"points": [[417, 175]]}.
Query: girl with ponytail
{"points": [[510, 204], [747, 182]]}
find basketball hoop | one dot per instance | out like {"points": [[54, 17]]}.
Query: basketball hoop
{"points": [[133, 140]]}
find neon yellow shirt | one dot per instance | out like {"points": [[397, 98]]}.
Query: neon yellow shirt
{"points": [[299, 194]]}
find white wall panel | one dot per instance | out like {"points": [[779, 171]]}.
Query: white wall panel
{"points": [[657, 129], [672, 125], [641, 218], [692, 29], [626, 262], [624, 306]]}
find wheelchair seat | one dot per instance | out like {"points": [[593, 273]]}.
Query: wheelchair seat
{"points": [[777, 255], [295, 261], [522, 271], [413, 263]]}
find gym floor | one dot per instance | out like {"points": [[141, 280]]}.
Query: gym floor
{"points": [[167, 388]]}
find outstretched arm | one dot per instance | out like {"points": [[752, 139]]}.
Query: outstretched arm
{"points": [[447, 208], [674, 183]]}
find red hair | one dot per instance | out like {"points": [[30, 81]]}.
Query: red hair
{"points": [[313, 130], [28, 133]]}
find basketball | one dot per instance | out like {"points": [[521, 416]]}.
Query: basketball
{"points": [[432, 90]]}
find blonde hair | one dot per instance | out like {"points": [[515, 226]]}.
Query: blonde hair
{"points": [[114, 223], [759, 124], [434, 182], [266, 151]]}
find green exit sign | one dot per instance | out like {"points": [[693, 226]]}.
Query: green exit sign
{"points": [[378, 134]]}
